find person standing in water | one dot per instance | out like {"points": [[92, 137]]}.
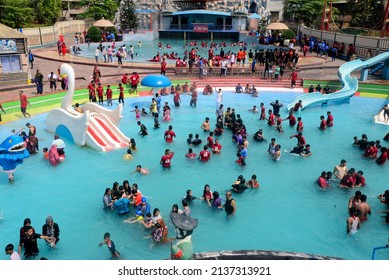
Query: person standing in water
{"points": [[353, 222], [230, 205], [340, 170], [111, 246]]}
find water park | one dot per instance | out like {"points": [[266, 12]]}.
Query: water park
{"points": [[99, 166]]}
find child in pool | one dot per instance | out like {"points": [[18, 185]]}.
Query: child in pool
{"points": [[111, 246], [45, 153], [132, 144], [137, 112], [143, 112], [190, 154], [128, 155], [253, 183], [141, 170]]}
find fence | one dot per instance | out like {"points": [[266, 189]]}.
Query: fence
{"points": [[50, 34], [362, 43]]}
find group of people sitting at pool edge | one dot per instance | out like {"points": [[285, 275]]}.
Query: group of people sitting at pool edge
{"points": [[247, 89], [318, 88], [271, 59]]}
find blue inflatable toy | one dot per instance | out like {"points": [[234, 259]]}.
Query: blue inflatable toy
{"points": [[12, 153]]}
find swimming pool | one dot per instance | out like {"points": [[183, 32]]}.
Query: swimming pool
{"points": [[149, 49], [288, 212]]}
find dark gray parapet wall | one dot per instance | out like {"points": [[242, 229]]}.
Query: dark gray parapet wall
{"points": [[258, 255]]}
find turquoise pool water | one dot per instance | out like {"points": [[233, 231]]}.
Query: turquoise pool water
{"points": [[150, 48], [288, 212]]}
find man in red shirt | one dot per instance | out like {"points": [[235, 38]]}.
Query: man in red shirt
{"points": [[292, 119], [298, 106], [134, 82], [210, 53], [92, 92], [178, 62], [96, 75], [163, 67], [210, 140], [125, 79], [108, 94], [167, 158], [300, 143], [176, 98], [204, 155], [169, 134], [330, 119], [100, 94], [23, 104], [216, 148], [322, 180], [293, 78]]}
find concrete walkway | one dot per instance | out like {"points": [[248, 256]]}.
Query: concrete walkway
{"points": [[47, 60]]}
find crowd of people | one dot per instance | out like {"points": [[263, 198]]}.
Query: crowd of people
{"points": [[129, 202]]}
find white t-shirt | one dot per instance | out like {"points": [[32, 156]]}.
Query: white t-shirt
{"points": [[219, 97], [54, 76], [15, 256]]}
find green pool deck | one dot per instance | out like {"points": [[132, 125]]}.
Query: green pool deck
{"points": [[364, 89], [44, 103]]}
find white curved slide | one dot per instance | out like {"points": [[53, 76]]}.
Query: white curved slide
{"points": [[96, 127], [103, 135], [380, 118], [350, 84]]}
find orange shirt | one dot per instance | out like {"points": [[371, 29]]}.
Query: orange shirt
{"points": [[138, 199], [240, 55]]}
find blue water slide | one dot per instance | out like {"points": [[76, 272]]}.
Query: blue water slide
{"points": [[350, 84], [377, 68]]}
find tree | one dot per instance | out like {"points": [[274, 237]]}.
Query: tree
{"points": [[97, 9], [304, 11], [128, 17], [366, 13], [16, 13], [47, 11]]}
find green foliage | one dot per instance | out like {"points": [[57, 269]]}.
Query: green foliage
{"points": [[94, 34], [304, 11], [366, 13], [128, 17], [98, 9], [47, 11], [16, 13], [288, 34]]}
